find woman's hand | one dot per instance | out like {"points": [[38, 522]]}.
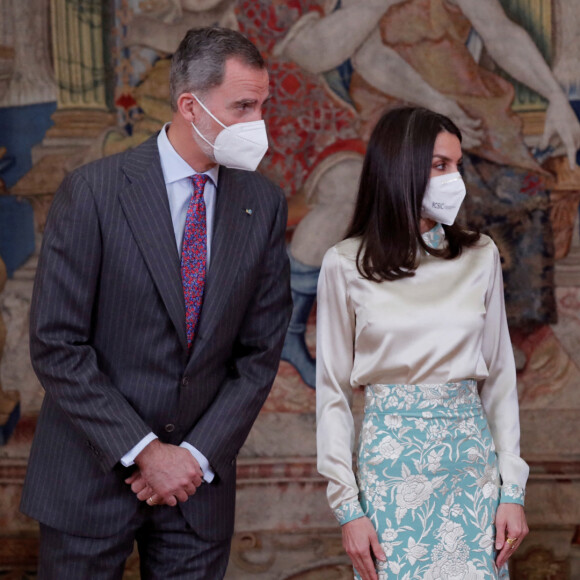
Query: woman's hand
{"points": [[360, 541], [510, 523]]}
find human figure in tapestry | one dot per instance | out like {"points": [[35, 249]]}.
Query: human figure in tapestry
{"points": [[328, 92], [424, 48]]}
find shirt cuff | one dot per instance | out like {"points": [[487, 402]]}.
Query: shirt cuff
{"points": [[129, 458], [208, 474], [512, 493], [512, 468], [349, 511]]}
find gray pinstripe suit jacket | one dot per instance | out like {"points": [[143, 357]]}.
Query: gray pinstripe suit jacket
{"points": [[108, 340]]}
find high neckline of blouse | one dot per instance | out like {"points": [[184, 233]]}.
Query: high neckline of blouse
{"points": [[435, 237]]}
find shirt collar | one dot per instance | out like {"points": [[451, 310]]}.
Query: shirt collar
{"points": [[173, 165], [435, 237]]}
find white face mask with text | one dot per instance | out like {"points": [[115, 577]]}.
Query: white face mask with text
{"points": [[239, 146], [443, 198]]}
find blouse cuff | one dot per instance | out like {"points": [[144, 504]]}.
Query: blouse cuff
{"points": [[349, 511], [512, 493]]}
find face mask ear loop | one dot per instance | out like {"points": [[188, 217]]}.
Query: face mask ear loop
{"points": [[208, 112], [212, 145], [200, 134]]}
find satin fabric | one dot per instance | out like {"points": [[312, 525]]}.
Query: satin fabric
{"points": [[445, 324]]}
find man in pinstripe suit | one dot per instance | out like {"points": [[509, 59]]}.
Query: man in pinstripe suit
{"points": [[139, 432]]}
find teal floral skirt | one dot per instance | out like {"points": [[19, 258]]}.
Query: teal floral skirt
{"points": [[429, 482]]}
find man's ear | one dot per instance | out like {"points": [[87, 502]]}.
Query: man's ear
{"points": [[187, 107]]}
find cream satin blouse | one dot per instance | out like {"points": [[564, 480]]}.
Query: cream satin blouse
{"points": [[445, 324]]}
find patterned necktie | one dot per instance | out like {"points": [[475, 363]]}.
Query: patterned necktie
{"points": [[193, 256]]}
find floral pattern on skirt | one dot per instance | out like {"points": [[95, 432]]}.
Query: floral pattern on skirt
{"points": [[429, 481]]}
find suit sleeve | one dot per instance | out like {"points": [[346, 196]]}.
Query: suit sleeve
{"points": [[224, 427], [61, 325]]}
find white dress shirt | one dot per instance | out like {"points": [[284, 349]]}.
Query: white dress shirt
{"points": [[177, 173], [445, 324]]}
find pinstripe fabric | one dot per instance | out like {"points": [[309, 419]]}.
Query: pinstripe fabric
{"points": [[185, 556], [108, 340]]}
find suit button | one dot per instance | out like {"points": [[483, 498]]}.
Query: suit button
{"points": [[185, 381], [169, 427]]}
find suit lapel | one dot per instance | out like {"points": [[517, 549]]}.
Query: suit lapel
{"points": [[146, 207], [231, 232]]}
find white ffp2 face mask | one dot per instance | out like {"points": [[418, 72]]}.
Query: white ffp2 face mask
{"points": [[239, 146], [443, 198]]}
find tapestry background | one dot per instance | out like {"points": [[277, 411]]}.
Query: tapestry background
{"points": [[80, 79]]}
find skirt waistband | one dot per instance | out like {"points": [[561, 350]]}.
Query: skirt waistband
{"points": [[426, 400]]}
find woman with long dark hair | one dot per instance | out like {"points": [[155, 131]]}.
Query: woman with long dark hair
{"points": [[410, 307]]}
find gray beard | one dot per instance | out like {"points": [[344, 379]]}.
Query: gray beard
{"points": [[204, 128]]}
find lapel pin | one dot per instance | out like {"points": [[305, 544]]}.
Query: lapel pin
{"points": [[249, 211]]}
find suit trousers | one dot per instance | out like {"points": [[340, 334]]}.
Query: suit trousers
{"points": [[168, 550]]}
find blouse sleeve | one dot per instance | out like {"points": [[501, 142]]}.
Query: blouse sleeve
{"points": [[335, 322], [499, 394]]}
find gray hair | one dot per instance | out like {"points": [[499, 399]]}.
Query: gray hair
{"points": [[199, 62]]}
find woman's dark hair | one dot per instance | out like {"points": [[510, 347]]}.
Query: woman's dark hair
{"points": [[394, 178]]}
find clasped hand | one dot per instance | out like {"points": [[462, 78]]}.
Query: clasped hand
{"points": [[167, 474]]}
